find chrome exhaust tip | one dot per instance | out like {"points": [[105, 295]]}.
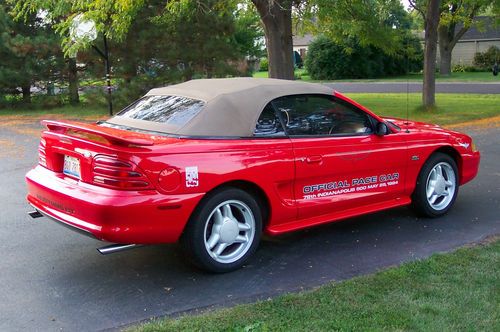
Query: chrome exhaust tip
{"points": [[112, 248], [35, 214]]}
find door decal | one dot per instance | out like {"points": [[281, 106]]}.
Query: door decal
{"points": [[354, 185]]}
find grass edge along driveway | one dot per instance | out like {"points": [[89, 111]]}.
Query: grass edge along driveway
{"points": [[446, 292]]}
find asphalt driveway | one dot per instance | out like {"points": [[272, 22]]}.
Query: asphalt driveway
{"points": [[53, 279]]}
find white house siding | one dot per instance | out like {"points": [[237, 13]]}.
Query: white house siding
{"points": [[464, 50]]}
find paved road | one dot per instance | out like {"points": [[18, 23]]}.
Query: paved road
{"points": [[53, 279], [387, 87]]}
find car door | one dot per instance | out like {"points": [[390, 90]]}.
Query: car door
{"points": [[340, 163]]}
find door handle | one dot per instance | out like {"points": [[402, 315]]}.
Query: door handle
{"points": [[314, 159]]}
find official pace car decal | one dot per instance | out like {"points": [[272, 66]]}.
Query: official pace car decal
{"points": [[192, 176], [354, 185]]}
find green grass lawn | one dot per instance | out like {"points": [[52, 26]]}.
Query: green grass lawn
{"points": [[486, 77], [65, 111], [452, 108], [459, 291]]}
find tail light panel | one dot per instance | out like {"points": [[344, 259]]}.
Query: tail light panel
{"points": [[42, 156], [111, 172]]}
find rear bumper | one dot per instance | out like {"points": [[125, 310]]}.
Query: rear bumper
{"points": [[141, 217], [71, 226]]}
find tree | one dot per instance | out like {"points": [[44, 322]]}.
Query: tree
{"points": [[201, 37], [455, 14], [276, 16], [456, 18], [29, 51], [114, 18], [375, 22], [156, 42], [248, 32], [380, 23], [74, 97], [431, 21]]}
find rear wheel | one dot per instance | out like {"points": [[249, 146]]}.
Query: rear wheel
{"points": [[437, 186], [224, 231]]}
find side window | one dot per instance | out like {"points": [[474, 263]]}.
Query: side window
{"points": [[321, 115], [268, 124]]}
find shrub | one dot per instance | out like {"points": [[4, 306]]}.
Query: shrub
{"points": [[461, 68], [487, 59], [264, 64], [38, 101], [458, 68], [327, 60]]}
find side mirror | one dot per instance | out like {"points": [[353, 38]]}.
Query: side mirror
{"points": [[381, 129]]}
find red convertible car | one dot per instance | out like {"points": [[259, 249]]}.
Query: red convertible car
{"points": [[215, 163]]}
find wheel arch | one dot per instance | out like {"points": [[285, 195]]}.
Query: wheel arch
{"points": [[249, 187], [254, 190], [453, 153]]}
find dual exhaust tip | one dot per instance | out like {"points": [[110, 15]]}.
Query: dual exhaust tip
{"points": [[110, 249]]}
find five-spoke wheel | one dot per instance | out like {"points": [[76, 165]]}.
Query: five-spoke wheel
{"points": [[437, 186], [441, 184], [224, 230], [229, 231]]}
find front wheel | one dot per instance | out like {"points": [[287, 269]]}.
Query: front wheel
{"points": [[437, 186], [224, 231]]}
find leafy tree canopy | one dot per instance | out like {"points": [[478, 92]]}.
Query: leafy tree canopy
{"points": [[380, 23], [29, 51]]}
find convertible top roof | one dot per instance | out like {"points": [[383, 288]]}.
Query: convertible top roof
{"points": [[232, 105]]}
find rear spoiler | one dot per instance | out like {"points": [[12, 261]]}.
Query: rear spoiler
{"points": [[110, 134]]}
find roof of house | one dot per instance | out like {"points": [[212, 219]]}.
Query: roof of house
{"points": [[485, 29], [232, 105], [304, 40]]}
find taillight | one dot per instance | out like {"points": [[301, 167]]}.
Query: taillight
{"points": [[42, 157], [111, 172]]}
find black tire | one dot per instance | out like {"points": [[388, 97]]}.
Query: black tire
{"points": [[206, 221], [449, 173]]}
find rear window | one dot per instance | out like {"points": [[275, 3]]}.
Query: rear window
{"points": [[172, 110]]}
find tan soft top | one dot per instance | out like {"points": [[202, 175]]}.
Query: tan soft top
{"points": [[232, 105]]}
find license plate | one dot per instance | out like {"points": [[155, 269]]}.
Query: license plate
{"points": [[71, 166]]}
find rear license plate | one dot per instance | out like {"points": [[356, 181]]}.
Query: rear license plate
{"points": [[71, 166]]}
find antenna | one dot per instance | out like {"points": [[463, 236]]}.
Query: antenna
{"points": [[407, 103], [407, 87]]}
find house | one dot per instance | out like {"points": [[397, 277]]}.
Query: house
{"points": [[301, 43], [475, 40]]}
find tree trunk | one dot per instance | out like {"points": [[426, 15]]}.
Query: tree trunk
{"points": [[446, 34], [129, 61], [276, 17], [26, 88], [74, 98], [431, 36], [445, 62]]}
